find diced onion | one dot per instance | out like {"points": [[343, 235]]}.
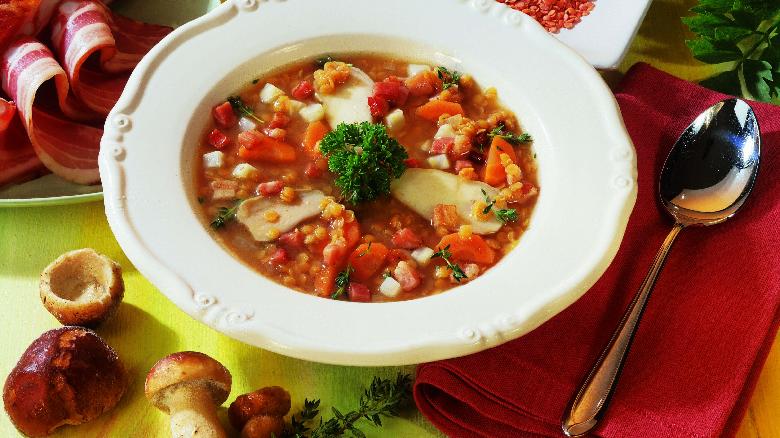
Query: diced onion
{"points": [[213, 160], [244, 171], [440, 162], [395, 121], [269, 93], [390, 287], [445, 131], [296, 106], [312, 113], [422, 255], [245, 124]]}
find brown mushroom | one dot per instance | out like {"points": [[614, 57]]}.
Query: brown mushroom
{"points": [[66, 376], [82, 287], [260, 414], [189, 386]]}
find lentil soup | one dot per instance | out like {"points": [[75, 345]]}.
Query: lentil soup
{"points": [[366, 179]]}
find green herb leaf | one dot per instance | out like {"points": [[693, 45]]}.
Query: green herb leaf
{"points": [[445, 254], [320, 62], [726, 82], [448, 78], [342, 282], [504, 215], [515, 139], [240, 108], [365, 160], [758, 78], [706, 51], [299, 422], [225, 215]]}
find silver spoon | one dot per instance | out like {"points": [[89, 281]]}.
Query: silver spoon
{"points": [[706, 178]]}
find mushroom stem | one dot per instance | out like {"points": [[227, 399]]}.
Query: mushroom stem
{"points": [[193, 414]]}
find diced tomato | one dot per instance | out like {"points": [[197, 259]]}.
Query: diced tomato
{"points": [[411, 162], [367, 259], [313, 170], [407, 275], [442, 145], [256, 146], [463, 164], [217, 139], [270, 188], [379, 106], [392, 90], [469, 249], [445, 216], [224, 115], [292, 239], [325, 282], [279, 120], [407, 239], [358, 293], [303, 90], [396, 255], [279, 257]]}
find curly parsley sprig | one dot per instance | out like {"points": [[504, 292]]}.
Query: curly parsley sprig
{"points": [[446, 255]]}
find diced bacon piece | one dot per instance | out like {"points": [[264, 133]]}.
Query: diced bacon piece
{"points": [[442, 145], [303, 90], [358, 293], [463, 164], [462, 146], [446, 216], [270, 188], [379, 106], [407, 276], [279, 120], [224, 115], [292, 239], [223, 190], [392, 90], [411, 162], [217, 139], [396, 255], [279, 257], [406, 238]]}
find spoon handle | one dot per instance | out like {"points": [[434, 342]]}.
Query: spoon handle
{"points": [[588, 405]]}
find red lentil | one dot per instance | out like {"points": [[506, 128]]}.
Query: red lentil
{"points": [[554, 15]]}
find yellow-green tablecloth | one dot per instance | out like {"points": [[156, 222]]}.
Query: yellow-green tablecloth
{"points": [[149, 327]]}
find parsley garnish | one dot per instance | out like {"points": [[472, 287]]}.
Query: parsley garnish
{"points": [[448, 78], [365, 159], [745, 34], [342, 282], [502, 214], [320, 62], [225, 215], [501, 132], [445, 254], [384, 398], [242, 109]]}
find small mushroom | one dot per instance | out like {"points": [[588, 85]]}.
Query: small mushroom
{"points": [[82, 287], [66, 376], [189, 386], [260, 414]]}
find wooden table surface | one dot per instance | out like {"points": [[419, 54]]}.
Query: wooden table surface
{"points": [[661, 43]]}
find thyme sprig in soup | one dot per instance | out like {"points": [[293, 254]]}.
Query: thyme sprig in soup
{"points": [[367, 179]]}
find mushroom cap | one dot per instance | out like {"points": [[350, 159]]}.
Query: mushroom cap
{"points": [[272, 401], [82, 287], [66, 376], [190, 370]]}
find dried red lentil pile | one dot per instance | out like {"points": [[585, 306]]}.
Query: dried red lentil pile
{"points": [[554, 15]]}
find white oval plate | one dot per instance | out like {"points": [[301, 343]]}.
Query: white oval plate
{"points": [[587, 175]]}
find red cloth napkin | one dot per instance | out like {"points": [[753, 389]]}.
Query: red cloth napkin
{"points": [[706, 332]]}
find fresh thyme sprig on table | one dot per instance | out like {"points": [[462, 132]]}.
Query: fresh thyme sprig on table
{"points": [[445, 254], [225, 215], [299, 422], [744, 36], [242, 109]]}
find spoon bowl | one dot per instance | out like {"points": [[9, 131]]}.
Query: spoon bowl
{"points": [[705, 180]]}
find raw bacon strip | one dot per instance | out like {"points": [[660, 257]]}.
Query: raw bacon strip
{"points": [[17, 16], [66, 148], [18, 160]]}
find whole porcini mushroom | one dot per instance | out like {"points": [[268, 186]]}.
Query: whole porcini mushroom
{"points": [[82, 287], [66, 376], [189, 386], [260, 414]]}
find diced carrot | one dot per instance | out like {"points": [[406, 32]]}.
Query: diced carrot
{"points": [[407, 239], [315, 132], [325, 283], [495, 175], [469, 249], [352, 233], [435, 108], [445, 216], [425, 83], [256, 146], [367, 259]]}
